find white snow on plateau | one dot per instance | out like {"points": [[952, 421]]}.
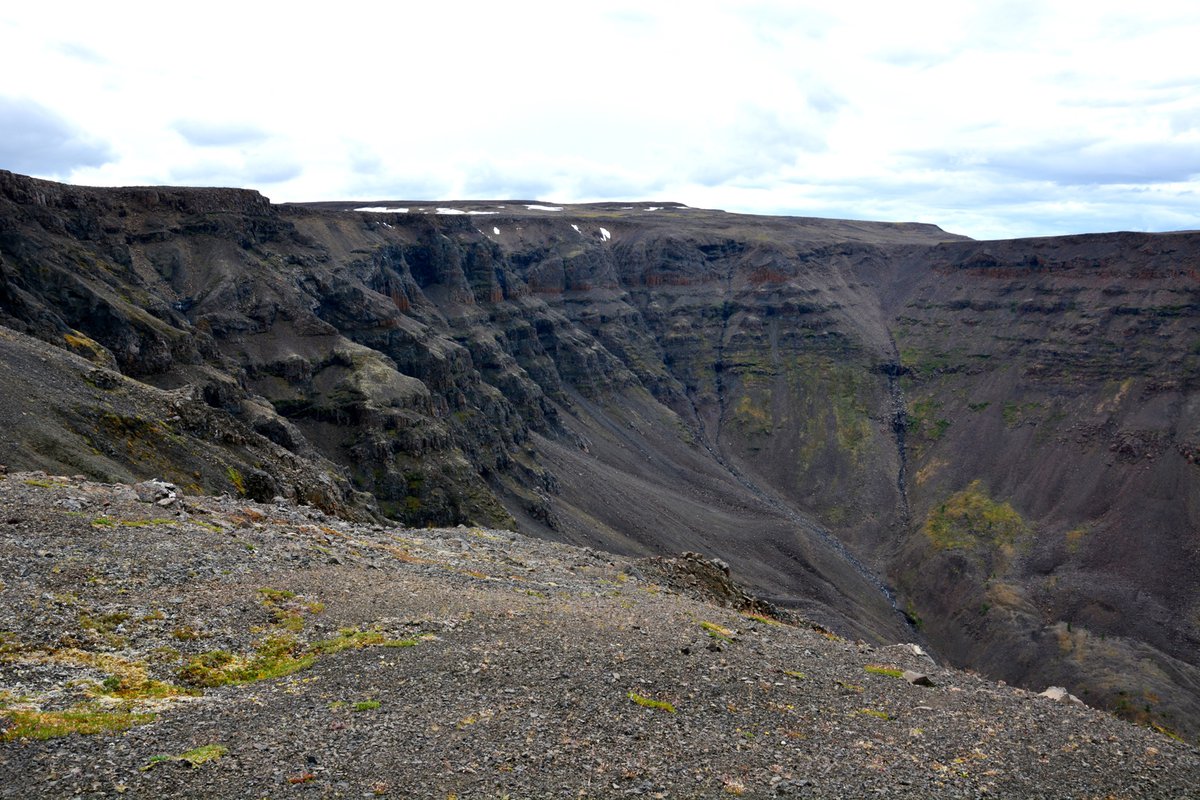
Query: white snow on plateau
{"points": [[450, 211], [654, 208], [483, 212], [383, 210], [536, 207], [495, 230], [576, 227], [604, 234]]}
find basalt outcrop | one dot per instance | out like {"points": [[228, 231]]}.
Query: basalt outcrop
{"points": [[988, 446]]}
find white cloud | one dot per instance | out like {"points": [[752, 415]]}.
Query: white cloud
{"points": [[988, 118], [207, 133], [37, 140]]}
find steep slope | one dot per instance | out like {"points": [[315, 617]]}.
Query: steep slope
{"points": [[1004, 432], [1052, 397]]}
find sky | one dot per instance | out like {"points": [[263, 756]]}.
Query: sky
{"points": [[990, 119]]}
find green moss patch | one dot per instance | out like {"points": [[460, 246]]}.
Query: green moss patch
{"points": [[646, 702], [196, 756], [276, 656], [878, 669], [23, 724]]}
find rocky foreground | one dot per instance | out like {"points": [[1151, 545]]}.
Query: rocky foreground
{"points": [[160, 645]]}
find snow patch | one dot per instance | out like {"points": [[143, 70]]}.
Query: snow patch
{"points": [[495, 230], [482, 212], [382, 210], [576, 227], [654, 208], [536, 207], [604, 234], [450, 211]]}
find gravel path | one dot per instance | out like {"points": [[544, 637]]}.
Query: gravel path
{"points": [[469, 663]]}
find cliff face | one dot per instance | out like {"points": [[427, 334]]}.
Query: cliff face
{"points": [[1003, 433]]}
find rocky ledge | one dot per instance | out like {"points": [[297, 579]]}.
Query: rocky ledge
{"points": [[156, 644]]}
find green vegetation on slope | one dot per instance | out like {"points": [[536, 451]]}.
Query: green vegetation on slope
{"points": [[970, 518]]}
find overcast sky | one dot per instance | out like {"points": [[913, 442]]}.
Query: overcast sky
{"points": [[992, 119]]}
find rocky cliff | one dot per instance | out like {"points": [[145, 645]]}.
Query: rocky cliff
{"points": [[900, 432]]}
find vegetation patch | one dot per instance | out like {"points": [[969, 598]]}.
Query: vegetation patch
{"points": [[871, 712], [83, 345], [134, 685], [1018, 414], [196, 756], [103, 623], [287, 609], [354, 639], [970, 518], [718, 632], [879, 669], [186, 633], [147, 523], [239, 482], [752, 418], [275, 657], [278, 655], [924, 419], [1075, 538], [646, 702], [28, 724], [365, 705]]}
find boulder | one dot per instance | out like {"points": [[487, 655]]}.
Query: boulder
{"points": [[917, 678], [154, 491], [1061, 695]]}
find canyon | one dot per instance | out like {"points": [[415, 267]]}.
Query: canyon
{"points": [[986, 447]]}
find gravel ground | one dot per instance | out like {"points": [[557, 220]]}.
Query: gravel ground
{"points": [[470, 663]]}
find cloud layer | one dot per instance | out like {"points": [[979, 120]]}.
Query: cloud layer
{"points": [[991, 119]]}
